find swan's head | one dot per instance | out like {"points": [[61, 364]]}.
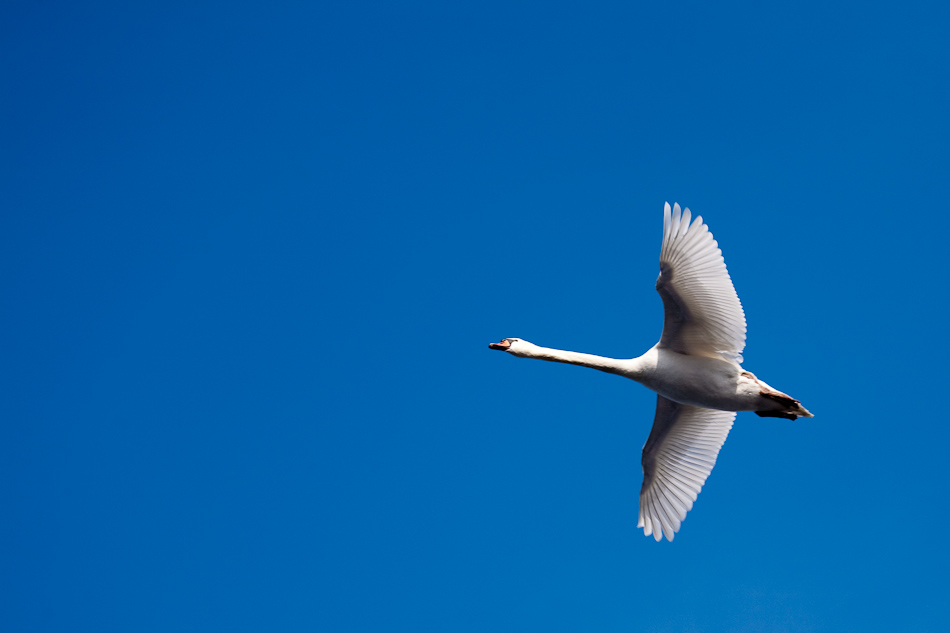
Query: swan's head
{"points": [[514, 346]]}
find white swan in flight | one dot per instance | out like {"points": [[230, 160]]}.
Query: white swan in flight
{"points": [[694, 369]]}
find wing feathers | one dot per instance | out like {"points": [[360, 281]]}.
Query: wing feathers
{"points": [[677, 458], [703, 313]]}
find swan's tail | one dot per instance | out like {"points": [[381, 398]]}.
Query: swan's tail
{"points": [[783, 405], [790, 407], [801, 411], [791, 411]]}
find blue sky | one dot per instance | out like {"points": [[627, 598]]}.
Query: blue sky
{"points": [[253, 256]]}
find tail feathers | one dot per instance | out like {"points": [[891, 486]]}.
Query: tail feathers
{"points": [[791, 413], [802, 411], [790, 407], [793, 408]]}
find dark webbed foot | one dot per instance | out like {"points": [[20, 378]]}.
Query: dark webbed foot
{"points": [[776, 414]]}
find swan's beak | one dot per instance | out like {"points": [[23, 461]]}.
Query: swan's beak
{"points": [[503, 346]]}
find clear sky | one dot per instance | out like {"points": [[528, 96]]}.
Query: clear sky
{"points": [[252, 255]]}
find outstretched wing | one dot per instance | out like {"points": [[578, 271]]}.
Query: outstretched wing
{"points": [[677, 458], [703, 316]]}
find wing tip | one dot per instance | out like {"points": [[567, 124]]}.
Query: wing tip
{"points": [[656, 523]]}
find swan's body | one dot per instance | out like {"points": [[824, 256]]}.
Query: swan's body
{"points": [[694, 369]]}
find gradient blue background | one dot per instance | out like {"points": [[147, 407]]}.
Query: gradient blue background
{"points": [[252, 255]]}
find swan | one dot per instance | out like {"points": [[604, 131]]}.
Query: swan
{"points": [[695, 370]]}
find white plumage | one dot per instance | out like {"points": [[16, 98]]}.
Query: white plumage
{"points": [[703, 314], [677, 458], [694, 368]]}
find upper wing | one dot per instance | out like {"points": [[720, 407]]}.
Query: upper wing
{"points": [[677, 458], [702, 313]]}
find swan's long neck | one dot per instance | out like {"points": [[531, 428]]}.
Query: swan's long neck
{"points": [[600, 363]]}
